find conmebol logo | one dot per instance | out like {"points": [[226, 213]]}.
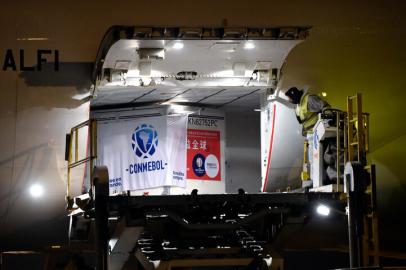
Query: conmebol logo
{"points": [[144, 140]]}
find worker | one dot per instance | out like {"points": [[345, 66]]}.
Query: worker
{"points": [[308, 106]]}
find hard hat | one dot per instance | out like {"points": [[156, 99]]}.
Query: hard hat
{"points": [[294, 95]]}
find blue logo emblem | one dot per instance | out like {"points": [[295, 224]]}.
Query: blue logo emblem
{"points": [[144, 141], [198, 165]]}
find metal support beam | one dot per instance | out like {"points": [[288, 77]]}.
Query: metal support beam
{"points": [[121, 244], [101, 182], [355, 185]]}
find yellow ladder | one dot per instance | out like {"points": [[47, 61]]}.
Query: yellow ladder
{"points": [[75, 160], [358, 147], [355, 134]]}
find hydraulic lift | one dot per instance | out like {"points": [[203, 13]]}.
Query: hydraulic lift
{"points": [[224, 229], [215, 230]]}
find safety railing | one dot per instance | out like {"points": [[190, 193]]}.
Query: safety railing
{"points": [[72, 148], [358, 147], [358, 130]]}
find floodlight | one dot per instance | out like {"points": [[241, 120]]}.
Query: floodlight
{"points": [[323, 210], [249, 46], [36, 190], [177, 45]]}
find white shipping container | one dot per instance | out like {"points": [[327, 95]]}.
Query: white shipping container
{"points": [[205, 138]]}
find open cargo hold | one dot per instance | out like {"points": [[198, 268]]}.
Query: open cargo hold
{"points": [[216, 73], [160, 106]]}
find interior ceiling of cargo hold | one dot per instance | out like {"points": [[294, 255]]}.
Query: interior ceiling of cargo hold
{"points": [[220, 68]]}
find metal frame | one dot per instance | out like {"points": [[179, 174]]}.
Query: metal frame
{"points": [[234, 220], [92, 154], [361, 190]]}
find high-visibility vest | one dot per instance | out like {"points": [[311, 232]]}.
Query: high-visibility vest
{"points": [[307, 118]]}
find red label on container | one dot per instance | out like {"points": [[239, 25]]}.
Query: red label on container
{"points": [[203, 155]]}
